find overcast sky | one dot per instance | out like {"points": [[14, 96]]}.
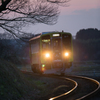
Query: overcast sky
{"points": [[80, 14]]}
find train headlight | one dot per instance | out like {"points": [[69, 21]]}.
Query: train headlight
{"points": [[66, 54], [47, 55]]}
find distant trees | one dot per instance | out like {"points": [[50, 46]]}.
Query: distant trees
{"points": [[86, 34], [16, 14], [87, 45], [13, 50]]}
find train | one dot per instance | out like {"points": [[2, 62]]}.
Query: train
{"points": [[51, 51]]}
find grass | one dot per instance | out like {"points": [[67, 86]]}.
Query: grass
{"points": [[86, 67], [13, 84], [40, 85], [91, 69]]}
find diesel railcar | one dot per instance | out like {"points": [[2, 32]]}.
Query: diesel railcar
{"points": [[51, 51]]}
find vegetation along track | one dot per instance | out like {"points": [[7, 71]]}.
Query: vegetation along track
{"points": [[82, 89]]}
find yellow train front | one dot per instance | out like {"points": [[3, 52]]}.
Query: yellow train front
{"points": [[51, 52]]}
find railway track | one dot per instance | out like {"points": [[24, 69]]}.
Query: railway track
{"points": [[68, 92], [82, 89]]}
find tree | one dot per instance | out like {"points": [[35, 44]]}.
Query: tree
{"points": [[87, 34], [16, 14], [87, 44]]}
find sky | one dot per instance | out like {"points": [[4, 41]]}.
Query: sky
{"points": [[80, 14]]}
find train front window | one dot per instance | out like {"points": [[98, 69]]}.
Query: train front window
{"points": [[46, 42], [66, 39], [57, 44]]}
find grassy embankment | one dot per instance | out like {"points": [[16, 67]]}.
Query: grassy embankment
{"points": [[14, 85], [88, 68]]}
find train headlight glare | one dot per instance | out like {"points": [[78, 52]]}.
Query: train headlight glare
{"points": [[66, 54], [47, 55]]}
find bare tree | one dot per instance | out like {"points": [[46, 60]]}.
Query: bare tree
{"points": [[16, 14]]}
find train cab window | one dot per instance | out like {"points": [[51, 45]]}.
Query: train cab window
{"points": [[57, 44], [66, 39], [46, 42]]}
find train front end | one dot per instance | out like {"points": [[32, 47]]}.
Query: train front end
{"points": [[56, 51]]}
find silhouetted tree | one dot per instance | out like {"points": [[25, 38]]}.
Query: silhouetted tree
{"points": [[15, 14]]}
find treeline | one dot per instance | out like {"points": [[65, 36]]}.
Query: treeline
{"points": [[88, 34], [87, 45], [14, 50]]}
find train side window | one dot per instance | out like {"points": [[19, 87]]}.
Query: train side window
{"points": [[35, 46]]}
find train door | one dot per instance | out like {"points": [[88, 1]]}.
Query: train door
{"points": [[56, 45], [57, 50]]}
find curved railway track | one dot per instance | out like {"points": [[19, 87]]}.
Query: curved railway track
{"points": [[68, 92], [83, 88]]}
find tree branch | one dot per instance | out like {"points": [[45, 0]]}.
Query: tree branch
{"points": [[4, 4], [15, 14]]}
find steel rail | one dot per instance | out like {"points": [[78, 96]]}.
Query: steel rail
{"points": [[76, 84], [93, 80], [83, 97]]}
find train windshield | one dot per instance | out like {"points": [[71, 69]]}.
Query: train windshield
{"points": [[66, 39], [57, 44], [46, 42]]}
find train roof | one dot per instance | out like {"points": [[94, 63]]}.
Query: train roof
{"points": [[49, 32], [43, 33], [35, 37], [38, 35]]}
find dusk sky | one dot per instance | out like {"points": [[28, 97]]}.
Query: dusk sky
{"points": [[80, 14]]}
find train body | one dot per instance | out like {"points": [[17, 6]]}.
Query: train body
{"points": [[51, 51]]}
